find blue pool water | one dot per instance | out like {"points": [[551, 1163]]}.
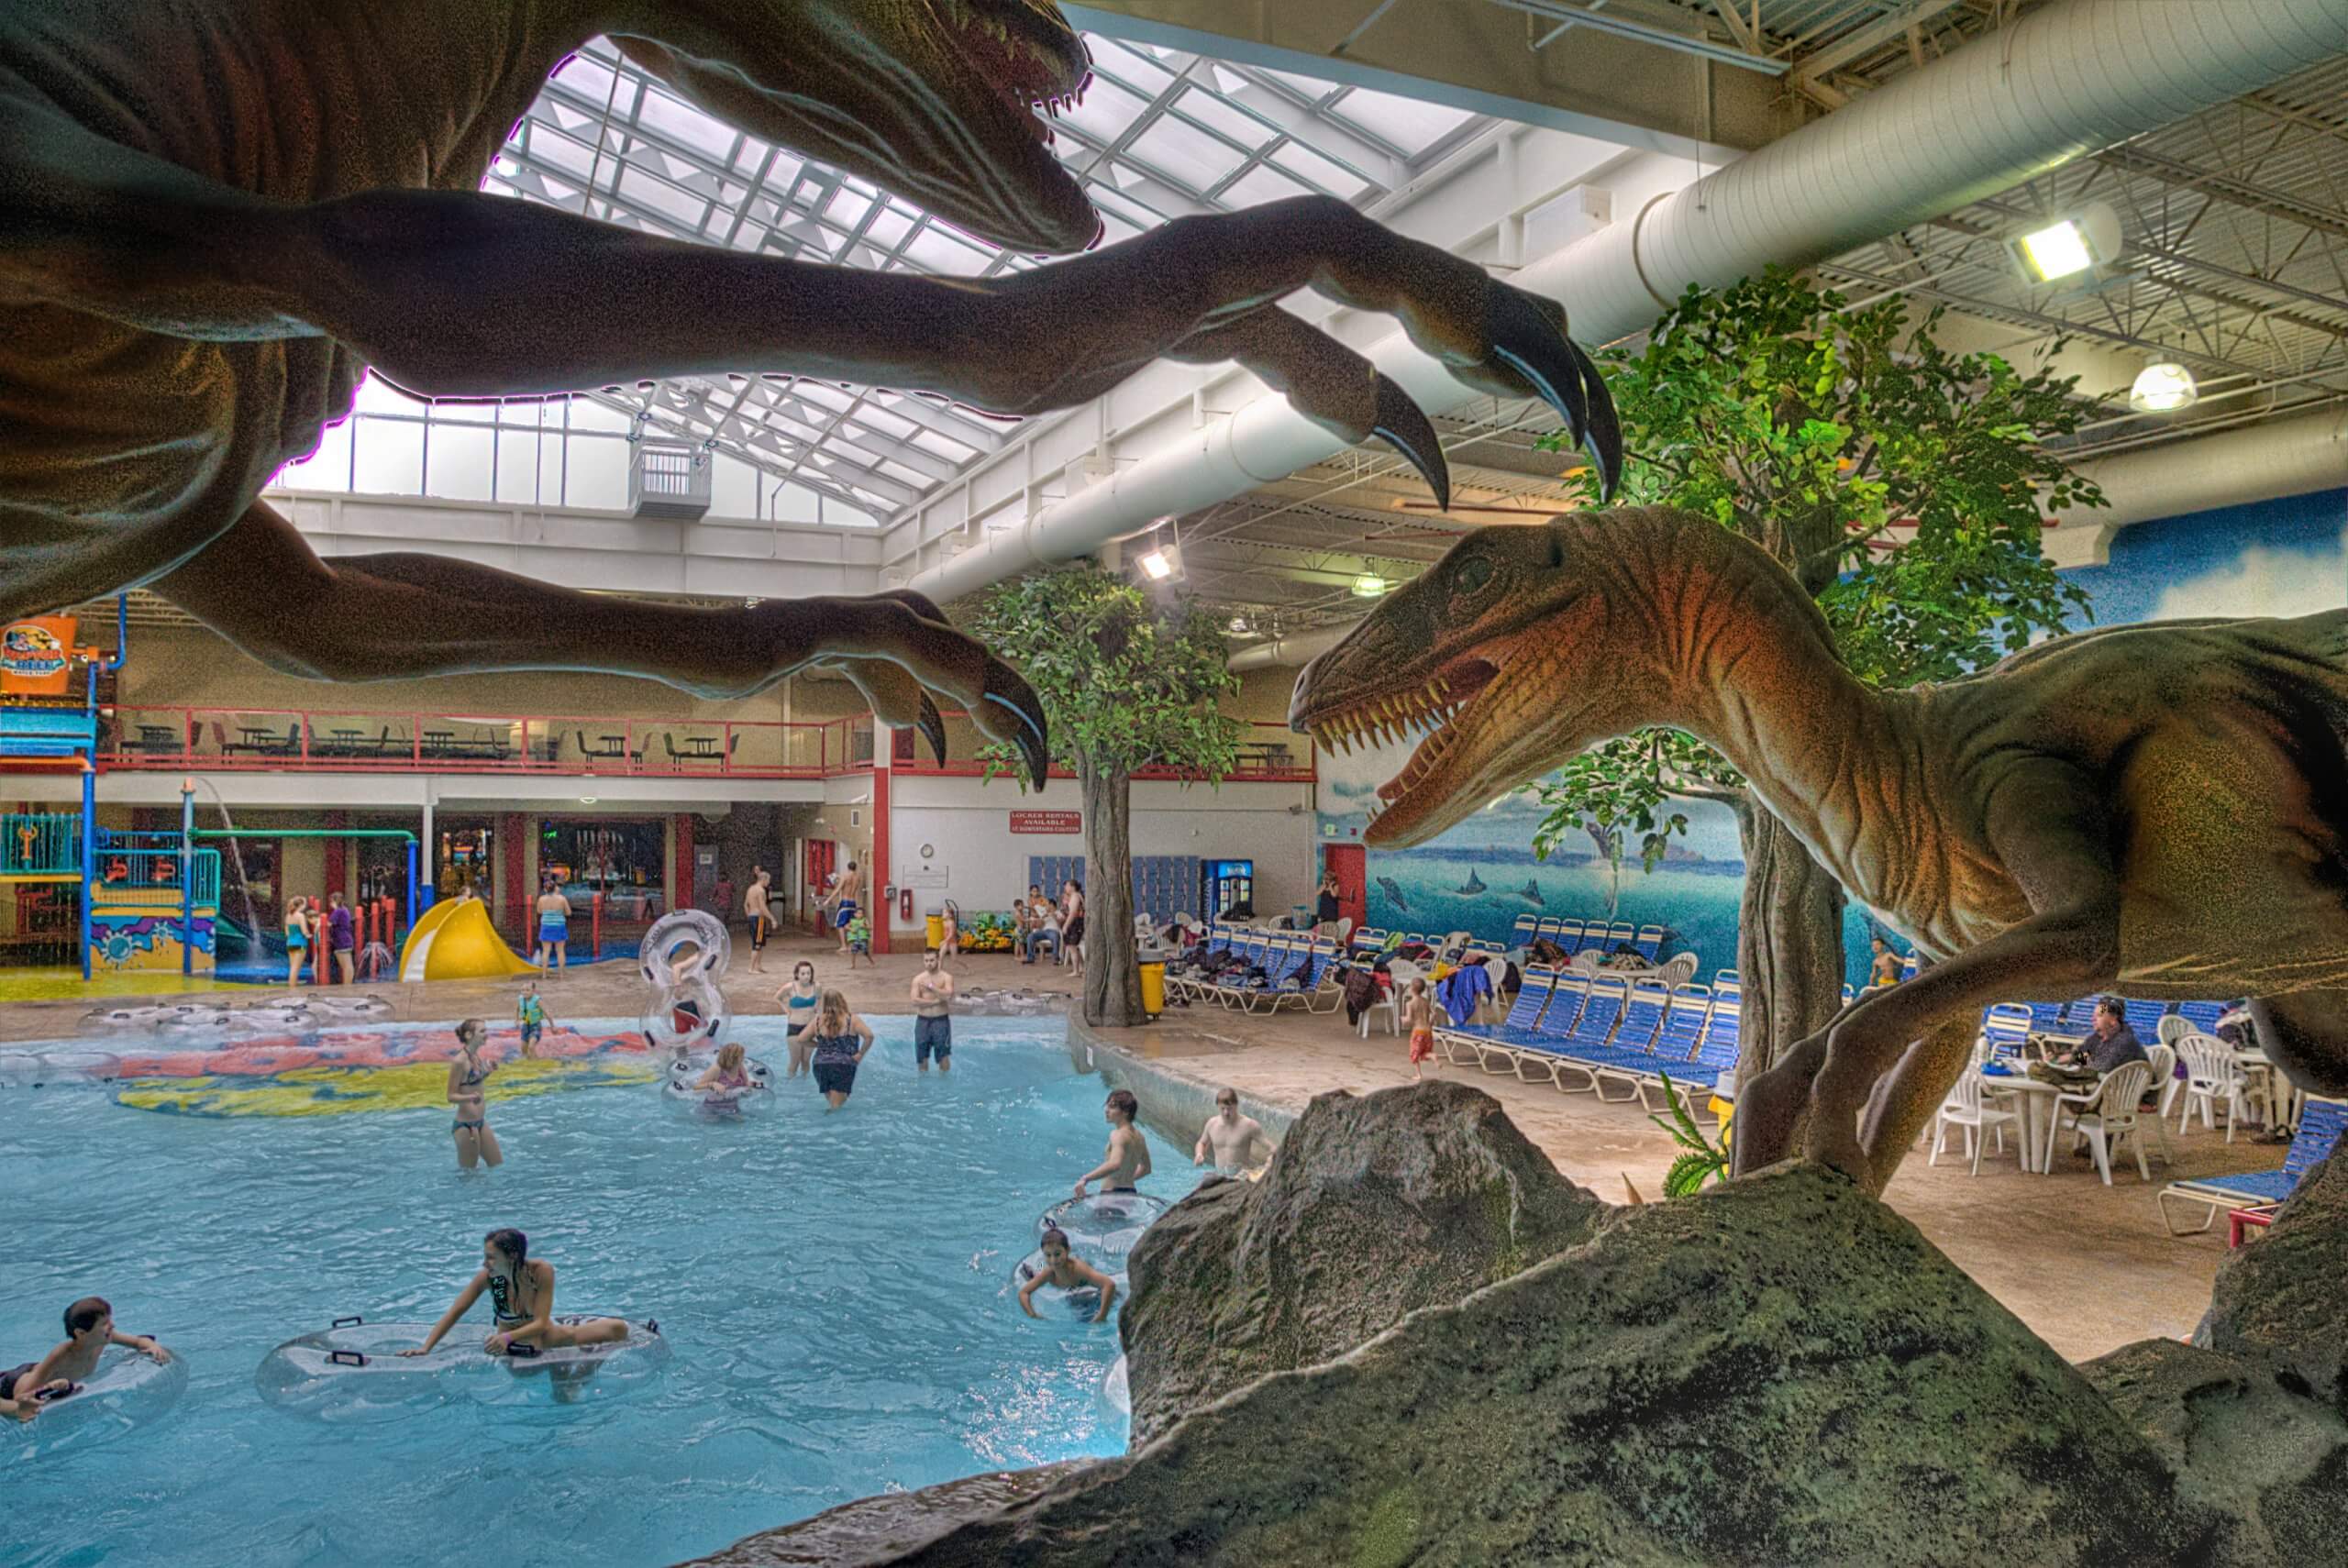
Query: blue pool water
{"points": [[835, 1289]]}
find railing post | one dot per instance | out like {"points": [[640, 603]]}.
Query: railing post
{"points": [[415, 739]]}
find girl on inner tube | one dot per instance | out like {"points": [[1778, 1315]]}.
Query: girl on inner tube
{"points": [[521, 1297]]}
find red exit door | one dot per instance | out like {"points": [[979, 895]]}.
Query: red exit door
{"points": [[820, 851], [1350, 862]]}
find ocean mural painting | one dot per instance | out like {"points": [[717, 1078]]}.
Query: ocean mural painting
{"points": [[2278, 557]]}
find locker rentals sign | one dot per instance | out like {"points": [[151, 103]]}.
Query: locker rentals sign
{"points": [[1047, 821]]}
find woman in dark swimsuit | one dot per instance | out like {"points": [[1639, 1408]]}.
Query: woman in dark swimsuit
{"points": [[841, 1039], [521, 1297], [467, 1073]]}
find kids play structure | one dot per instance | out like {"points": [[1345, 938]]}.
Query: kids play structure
{"points": [[148, 900]]}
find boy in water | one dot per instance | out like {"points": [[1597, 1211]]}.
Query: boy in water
{"points": [[531, 1013], [1232, 1140], [1065, 1271], [933, 995], [89, 1329], [1126, 1159]]}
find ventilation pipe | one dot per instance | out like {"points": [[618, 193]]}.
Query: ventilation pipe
{"points": [[2259, 462], [2023, 99]]}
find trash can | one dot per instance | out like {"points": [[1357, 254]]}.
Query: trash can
{"points": [[1152, 989], [935, 921]]}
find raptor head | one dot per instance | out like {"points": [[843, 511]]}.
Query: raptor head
{"points": [[1500, 652], [941, 102]]}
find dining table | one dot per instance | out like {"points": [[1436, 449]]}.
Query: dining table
{"points": [[2038, 1101]]}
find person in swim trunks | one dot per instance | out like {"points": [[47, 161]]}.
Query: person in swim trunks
{"points": [[1126, 1160], [89, 1329], [521, 1297], [1064, 1270], [841, 1039], [467, 1073], [933, 995], [842, 900], [798, 1001], [755, 905]]}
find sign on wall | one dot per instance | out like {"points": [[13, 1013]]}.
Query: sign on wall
{"points": [[1047, 822], [37, 655]]}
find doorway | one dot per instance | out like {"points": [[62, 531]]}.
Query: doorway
{"points": [[1351, 864]]}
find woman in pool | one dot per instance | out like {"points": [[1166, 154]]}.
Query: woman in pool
{"points": [[467, 1073], [297, 936], [841, 1039], [521, 1297], [727, 1072], [798, 1001]]}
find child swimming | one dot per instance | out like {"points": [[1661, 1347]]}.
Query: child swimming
{"points": [[89, 1329], [727, 1072], [521, 1297], [467, 1073], [1065, 1271]]}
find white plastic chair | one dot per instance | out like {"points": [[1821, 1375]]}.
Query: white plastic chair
{"points": [[1497, 1003], [2212, 1075], [1399, 972], [2108, 1114], [1968, 1106], [1677, 970], [2163, 1058]]}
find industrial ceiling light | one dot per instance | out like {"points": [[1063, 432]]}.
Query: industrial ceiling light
{"points": [[2068, 245], [586, 799], [1159, 565], [2163, 389], [1370, 585]]}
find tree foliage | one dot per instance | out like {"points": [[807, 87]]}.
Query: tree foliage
{"points": [[1825, 433], [1126, 681]]}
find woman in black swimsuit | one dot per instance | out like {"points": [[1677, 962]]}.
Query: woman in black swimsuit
{"points": [[841, 1039], [521, 1297], [467, 1073]]}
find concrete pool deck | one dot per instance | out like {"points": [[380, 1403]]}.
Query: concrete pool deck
{"points": [[2087, 1267]]}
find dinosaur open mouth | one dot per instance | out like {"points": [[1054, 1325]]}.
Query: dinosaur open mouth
{"points": [[1040, 70], [1428, 710]]}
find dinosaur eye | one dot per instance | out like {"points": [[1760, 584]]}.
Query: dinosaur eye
{"points": [[1474, 573]]}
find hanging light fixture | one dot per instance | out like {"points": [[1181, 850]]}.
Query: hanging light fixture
{"points": [[2068, 245], [1370, 585], [2163, 388]]}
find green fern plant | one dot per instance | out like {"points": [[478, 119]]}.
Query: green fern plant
{"points": [[1700, 1160]]}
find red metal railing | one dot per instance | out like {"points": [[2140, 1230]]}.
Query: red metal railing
{"points": [[1270, 752]]}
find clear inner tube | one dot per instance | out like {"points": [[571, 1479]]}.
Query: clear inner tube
{"points": [[129, 1389], [690, 1016], [1115, 1391], [1106, 1223], [57, 1068], [684, 945], [681, 1094], [352, 1373], [1080, 1301]]}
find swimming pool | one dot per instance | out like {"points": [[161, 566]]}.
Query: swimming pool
{"points": [[835, 1290]]}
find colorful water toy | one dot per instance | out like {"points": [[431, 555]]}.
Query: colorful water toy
{"points": [[454, 941], [129, 1389], [353, 1373], [342, 1090], [393, 1046], [716, 1104]]}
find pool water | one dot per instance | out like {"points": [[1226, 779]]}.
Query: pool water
{"points": [[836, 1290]]}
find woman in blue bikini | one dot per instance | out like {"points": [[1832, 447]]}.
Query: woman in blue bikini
{"points": [[799, 1000], [467, 1073], [297, 936]]}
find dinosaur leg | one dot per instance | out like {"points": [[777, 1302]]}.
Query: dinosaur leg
{"points": [[1906, 1097], [2306, 1032], [392, 616], [1773, 1109]]}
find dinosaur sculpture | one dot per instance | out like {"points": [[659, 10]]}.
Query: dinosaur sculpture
{"points": [[2164, 805], [215, 215]]}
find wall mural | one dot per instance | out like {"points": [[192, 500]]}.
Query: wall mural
{"points": [[2277, 558]]}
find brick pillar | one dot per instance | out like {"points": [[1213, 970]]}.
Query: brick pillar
{"points": [[509, 857]]}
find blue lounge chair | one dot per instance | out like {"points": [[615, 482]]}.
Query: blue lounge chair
{"points": [[1588, 1036], [2321, 1122], [1459, 1041]]}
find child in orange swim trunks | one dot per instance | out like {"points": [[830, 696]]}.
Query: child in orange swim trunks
{"points": [[1418, 1016]]}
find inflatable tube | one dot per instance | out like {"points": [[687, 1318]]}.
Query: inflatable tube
{"points": [[1116, 1389], [656, 957], [127, 1390], [690, 1017], [1081, 1302], [681, 1096], [57, 1068], [352, 1373], [1107, 1224]]}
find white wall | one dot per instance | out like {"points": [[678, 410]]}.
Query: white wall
{"points": [[967, 823]]}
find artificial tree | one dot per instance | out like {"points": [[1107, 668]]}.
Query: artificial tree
{"points": [[1129, 679], [1902, 484]]}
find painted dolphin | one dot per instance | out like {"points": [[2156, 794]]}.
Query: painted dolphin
{"points": [[1468, 888], [1394, 893]]}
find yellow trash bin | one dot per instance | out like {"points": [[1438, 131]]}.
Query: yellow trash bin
{"points": [[1152, 989], [936, 925]]}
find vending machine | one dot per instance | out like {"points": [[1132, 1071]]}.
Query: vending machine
{"points": [[1224, 884]]}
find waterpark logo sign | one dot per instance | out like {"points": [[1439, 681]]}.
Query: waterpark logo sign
{"points": [[35, 654], [1047, 822]]}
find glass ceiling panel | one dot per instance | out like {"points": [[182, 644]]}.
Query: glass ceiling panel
{"points": [[1160, 133]]}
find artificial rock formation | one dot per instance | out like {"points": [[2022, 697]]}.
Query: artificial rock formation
{"points": [[1376, 1206], [1779, 1371], [2284, 1298]]}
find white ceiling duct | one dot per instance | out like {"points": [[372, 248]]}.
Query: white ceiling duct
{"points": [[2064, 80]]}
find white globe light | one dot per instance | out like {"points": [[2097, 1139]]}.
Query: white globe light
{"points": [[2163, 389]]}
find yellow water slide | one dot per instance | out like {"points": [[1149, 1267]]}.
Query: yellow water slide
{"points": [[454, 941]]}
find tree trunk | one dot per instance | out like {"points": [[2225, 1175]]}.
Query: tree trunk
{"points": [[1788, 942], [1111, 980]]}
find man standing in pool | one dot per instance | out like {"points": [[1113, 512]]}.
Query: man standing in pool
{"points": [[1126, 1159], [89, 1329], [521, 1297], [754, 905], [841, 1041], [933, 994], [1232, 1139]]}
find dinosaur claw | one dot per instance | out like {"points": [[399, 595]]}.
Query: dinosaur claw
{"points": [[1604, 435], [1006, 692], [933, 728], [1404, 427], [1528, 343]]}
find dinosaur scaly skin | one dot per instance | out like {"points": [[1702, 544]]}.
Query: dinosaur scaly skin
{"points": [[2164, 805], [214, 214]]}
